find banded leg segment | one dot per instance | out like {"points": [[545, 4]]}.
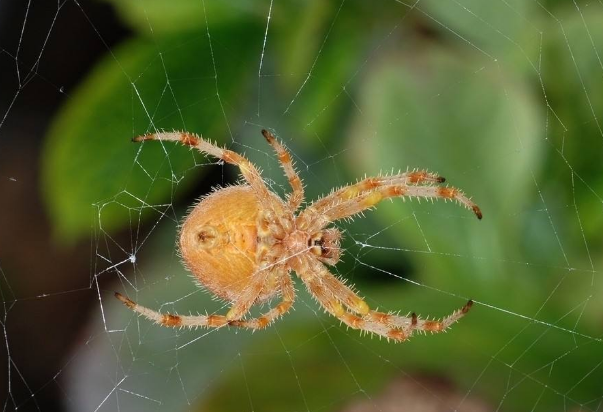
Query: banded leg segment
{"points": [[330, 302], [297, 194], [441, 325], [261, 322], [174, 320], [343, 292], [317, 218], [249, 295], [239, 308], [248, 170], [415, 177], [331, 293]]}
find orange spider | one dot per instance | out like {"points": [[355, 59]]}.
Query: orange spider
{"points": [[241, 242]]}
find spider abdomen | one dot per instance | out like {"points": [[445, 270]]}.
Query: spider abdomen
{"points": [[218, 240]]}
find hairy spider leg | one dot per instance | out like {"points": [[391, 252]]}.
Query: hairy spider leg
{"points": [[287, 299], [250, 294], [331, 303], [315, 218], [233, 317], [173, 320], [415, 177], [332, 292], [297, 195], [248, 170]]}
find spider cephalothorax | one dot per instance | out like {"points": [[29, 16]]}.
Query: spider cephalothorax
{"points": [[241, 242]]}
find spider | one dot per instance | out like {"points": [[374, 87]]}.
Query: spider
{"points": [[241, 242]]}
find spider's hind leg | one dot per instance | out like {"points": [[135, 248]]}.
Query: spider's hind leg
{"points": [[173, 320]]}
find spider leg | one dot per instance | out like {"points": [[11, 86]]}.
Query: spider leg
{"points": [[173, 320], [249, 295], [315, 218], [297, 195], [415, 177], [329, 301], [232, 318], [239, 308], [248, 170], [332, 292], [288, 296]]}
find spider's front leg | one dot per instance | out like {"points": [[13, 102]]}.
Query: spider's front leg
{"points": [[415, 177], [333, 295], [317, 217]]}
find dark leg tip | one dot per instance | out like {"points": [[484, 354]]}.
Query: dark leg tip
{"points": [[124, 300], [441, 179], [267, 135], [477, 212], [467, 306], [142, 138]]}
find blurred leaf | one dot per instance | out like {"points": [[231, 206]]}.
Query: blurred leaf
{"points": [[571, 74], [496, 31], [88, 157], [315, 363], [159, 17], [428, 109], [321, 56]]}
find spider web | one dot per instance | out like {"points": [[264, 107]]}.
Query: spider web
{"points": [[503, 98]]}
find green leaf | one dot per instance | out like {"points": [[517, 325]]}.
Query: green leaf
{"points": [[428, 109], [93, 174], [494, 31], [320, 55], [571, 75], [315, 363], [157, 17]]}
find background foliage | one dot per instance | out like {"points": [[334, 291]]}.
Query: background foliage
{"points": [[491, 99]]}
